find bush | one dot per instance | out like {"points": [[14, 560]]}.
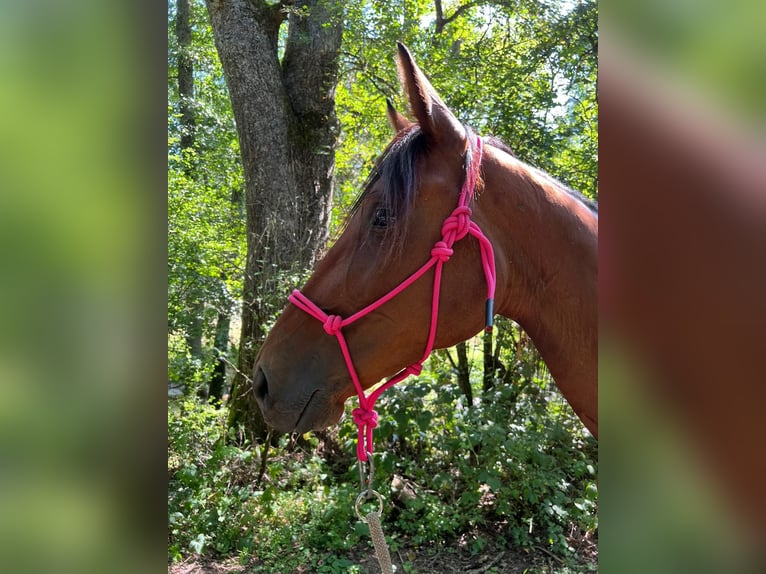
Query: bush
{"points": [[516, 466], [218, 506], [517, 463], [207, 491], [183, 368]]}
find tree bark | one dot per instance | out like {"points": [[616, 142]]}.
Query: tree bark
{"points": [[488, 380], [185, 72], [218, 378], [287, 128], [463, 372]]}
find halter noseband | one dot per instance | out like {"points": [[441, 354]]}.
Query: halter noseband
{"points": [[455, 227]]}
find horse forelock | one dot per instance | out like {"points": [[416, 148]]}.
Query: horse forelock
{"points": [[396, 170]]}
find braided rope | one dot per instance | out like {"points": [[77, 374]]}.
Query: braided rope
{"points": [[379, 541]]}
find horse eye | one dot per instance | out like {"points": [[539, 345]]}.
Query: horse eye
{"points": [[382, 218]]}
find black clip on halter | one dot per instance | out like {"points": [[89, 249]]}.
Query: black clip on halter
{"points": [[489, 315]]}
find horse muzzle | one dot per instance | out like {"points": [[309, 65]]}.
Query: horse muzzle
{"points": [[305, 408]]}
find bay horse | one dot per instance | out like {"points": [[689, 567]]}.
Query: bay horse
{"points": [[484, 217]]}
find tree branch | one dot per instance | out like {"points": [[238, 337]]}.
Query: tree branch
{"points": [[380, 83], [223, 358], [441, 21], [451, 360], [310, 64], [439, 12]]}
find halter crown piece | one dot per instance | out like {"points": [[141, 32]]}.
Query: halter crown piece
{"points": [[455, 227]]}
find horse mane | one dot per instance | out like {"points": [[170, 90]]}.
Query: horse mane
{"points": [[396, 169]]}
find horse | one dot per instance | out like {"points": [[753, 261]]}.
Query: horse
{"points": [[488, 221]]}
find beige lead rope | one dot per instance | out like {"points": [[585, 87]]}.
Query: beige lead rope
{"points": [[381, 548], [376, 529]]}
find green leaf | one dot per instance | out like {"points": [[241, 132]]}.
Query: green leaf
{"points": [[198, 543], [490, 479]]}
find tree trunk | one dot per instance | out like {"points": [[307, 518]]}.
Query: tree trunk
{"points": [[463, 372], [488, 381], [218, 378], [222, 327], [194, 324], [287, 128], [185, 72]]}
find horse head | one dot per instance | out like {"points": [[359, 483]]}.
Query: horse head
{"points": [[353, 324]]}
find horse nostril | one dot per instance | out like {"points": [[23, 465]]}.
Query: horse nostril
{"points": [[260, 385]]}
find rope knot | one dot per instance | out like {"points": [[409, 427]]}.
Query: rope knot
{"points": [[459, 222], [332, 325], [441, 251], [414, 370], [365, 418]]}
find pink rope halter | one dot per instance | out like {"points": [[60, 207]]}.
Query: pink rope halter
{"points": [[455, 227]]}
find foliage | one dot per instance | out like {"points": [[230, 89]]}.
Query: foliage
{"points": [[183, 367], [517, 465], [205, 246], [206, 239], [216, 505], [524, 71], [204, 509], [518, 460]]}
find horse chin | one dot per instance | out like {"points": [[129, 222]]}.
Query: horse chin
{"points": [[320, 412]]}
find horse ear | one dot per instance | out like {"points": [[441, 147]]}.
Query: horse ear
{"points": [[397, 120], [435, 119]]}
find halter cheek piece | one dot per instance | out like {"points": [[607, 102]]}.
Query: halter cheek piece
{"points": [[455, 227]]}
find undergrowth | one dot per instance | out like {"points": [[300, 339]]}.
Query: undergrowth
{"points": [[516, 466]]}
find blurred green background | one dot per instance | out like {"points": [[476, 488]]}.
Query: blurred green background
{"points": [[711, 47], [82, 225], [663, 507]]}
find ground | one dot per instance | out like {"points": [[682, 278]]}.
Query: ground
{"points": [[447, 560]]}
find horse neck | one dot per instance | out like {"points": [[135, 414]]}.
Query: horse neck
{"points": [[546, 247]]}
